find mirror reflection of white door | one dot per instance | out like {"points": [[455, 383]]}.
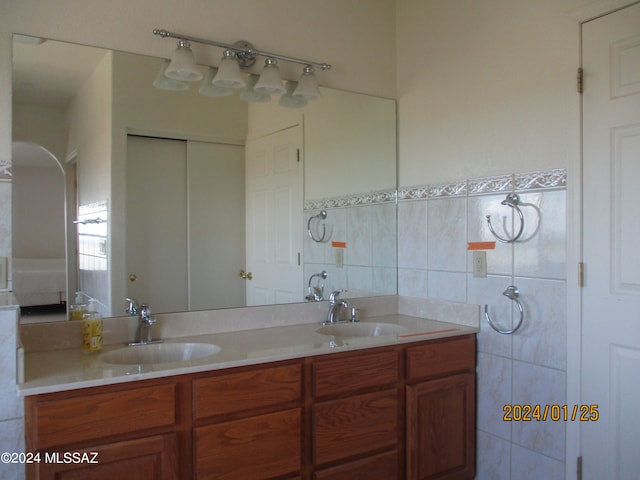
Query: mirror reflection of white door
{"points": [[274, 218], [185, 224], [611, 227]]}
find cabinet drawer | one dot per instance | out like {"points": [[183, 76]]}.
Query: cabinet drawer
{"points": [[246, 390], [355, 372], [441, 357], [260, 447], [87, 417], [355, 425], [376, 467]]}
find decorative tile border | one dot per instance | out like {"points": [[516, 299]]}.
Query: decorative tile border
{"points": [[556, 178], [367, 198], [549, 179]]}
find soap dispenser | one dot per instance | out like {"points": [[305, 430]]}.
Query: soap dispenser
{"points": [[91, 330], [78, 309]]}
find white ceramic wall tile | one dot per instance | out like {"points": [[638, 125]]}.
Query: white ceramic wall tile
{"points": [[360, 280], [493, 457], [384, 240], [385, 280], [488, 291], [448, 285], [494, 391], [542, 338], [535, 385], [529, 465], [499, 259], [542, 251], [446, 234], [359, 222], [412, 234], [336, 278], [10, 403], [412, 283], [12, 440]]}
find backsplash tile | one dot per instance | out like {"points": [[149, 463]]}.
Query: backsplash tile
{"points": [[436, 224]]}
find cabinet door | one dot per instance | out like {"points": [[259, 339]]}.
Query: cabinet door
{"points": [[151, 458], [441, 428]]}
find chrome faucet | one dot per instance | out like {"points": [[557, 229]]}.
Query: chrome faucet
{"points": [[132, 307], [144, 335], [336, 305]]}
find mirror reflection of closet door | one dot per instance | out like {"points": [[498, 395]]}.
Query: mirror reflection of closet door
{"points": [[185, 224], [156, 223]]}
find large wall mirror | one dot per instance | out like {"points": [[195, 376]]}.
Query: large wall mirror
{"points": [[187, 201]]}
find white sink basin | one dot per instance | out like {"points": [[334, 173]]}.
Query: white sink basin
{"points": [[361, 329], [159, 353]]}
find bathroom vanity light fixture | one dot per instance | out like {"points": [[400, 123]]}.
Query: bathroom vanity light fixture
{"points": [[242, 55], [183, 65]]}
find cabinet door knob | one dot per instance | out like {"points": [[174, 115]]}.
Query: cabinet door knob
{"points": [[132, 278]]}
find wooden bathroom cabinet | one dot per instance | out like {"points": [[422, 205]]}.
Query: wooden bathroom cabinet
{"points": [[395, 412]]}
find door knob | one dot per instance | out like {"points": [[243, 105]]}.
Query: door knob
{"points": [[245, 275], [132, 278]]}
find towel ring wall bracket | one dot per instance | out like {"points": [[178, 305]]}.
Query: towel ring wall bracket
{"points": [[512, 293], [513, 201], [318, 238]]}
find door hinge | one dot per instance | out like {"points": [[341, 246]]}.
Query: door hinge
{"points": [[299, 259], [298, 155], [579, 468], [581, 274], [580, 80]]}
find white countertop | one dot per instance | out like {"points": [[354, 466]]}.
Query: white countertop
{"points": [[67, 369]]}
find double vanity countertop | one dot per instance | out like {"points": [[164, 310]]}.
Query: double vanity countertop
{"points": [[68, 368]]}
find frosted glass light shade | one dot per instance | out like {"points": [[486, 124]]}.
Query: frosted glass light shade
{"points": [[270, 81], [208, 89], [289, 99], [307, 85], [183, 64], [228, 75], [165, 83], [249, 94]]}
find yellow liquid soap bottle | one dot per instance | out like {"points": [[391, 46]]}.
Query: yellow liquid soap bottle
{"points": [[78, 309], [91, 330]]}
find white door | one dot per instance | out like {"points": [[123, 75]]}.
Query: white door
{"points": [[610, 445], [274, 218]]}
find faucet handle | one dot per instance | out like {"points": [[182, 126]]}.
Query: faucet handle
{"points": [[132, 307]]}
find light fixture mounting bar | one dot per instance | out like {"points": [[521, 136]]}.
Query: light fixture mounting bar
{"points": [[242, 48]]}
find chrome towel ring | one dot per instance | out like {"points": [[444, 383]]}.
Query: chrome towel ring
{"points": [[513, 201], [512, 293], [317, 237]]}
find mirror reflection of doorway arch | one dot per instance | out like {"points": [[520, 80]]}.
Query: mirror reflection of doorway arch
{"points": [[39, 247]]}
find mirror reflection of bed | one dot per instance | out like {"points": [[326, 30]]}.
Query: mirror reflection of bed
{"points": [[39, 265]]}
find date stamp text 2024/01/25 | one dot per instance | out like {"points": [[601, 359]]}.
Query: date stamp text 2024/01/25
{"points": [[555, 413]]}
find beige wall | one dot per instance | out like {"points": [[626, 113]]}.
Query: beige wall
{"points": [[486, 87]]}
